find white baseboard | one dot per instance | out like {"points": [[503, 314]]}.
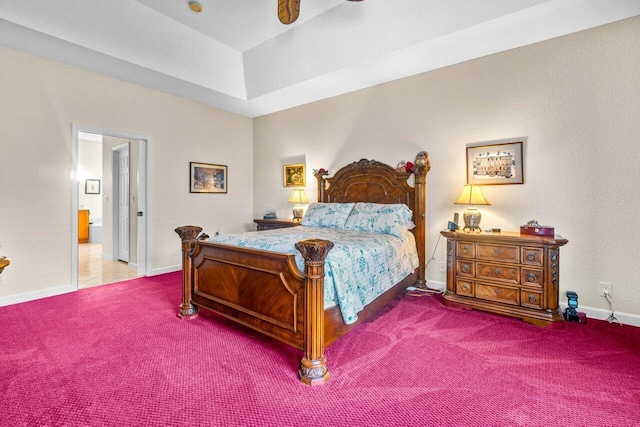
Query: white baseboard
{"points": [[432, 284], [59, 290], [34, 295], [600, 314], [163, 270], [592, 313]]}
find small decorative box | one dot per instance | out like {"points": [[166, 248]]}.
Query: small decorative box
{"points": [[532, 228]]}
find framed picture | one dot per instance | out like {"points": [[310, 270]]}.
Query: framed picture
{"points": [[495, 163], [207, 178], [92, 186], [295, 176]]}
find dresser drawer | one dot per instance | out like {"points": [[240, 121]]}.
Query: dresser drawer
{"points": [[503, 294], [464, 287], [532, 256], [465, 268], [501, 253], [532, 277], [466, 249], [531, 299], [498, 272]]}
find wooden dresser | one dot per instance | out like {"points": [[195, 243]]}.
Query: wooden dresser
{"points": [[270, 224], [506, 273]]}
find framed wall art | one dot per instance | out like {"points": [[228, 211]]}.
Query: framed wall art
{"points": [[207, 178], [295, 175], [92, 186], [495, 162]]}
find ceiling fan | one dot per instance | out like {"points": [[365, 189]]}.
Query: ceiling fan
{"points": [[288, 10]]}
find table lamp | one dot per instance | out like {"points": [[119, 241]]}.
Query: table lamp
{"points": [[298, 196], [472, 195]]}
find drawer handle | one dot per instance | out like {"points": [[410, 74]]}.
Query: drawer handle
{"points": [[531, 256], [533, 299], [465, 249], [496, 251], [531, 277], [465, 268], [465, 287], [496, 271], [496, 290]]}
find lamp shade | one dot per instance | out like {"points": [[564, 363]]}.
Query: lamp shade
{"points": [[298, 196], [472, 195]]}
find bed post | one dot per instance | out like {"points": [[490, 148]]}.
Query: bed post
{"points": [[188, 234], [420, 170], [322, 183], [313, 366]]}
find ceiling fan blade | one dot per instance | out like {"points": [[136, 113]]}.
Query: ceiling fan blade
{"points": [[288, 11]]}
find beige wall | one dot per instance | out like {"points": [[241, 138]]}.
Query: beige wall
{"points": [[40, 100], [575, 98]]}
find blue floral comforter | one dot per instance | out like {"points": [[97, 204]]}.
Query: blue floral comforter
{"points": [[359, 268]]}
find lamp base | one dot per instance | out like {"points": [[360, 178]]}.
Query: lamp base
{"points": [[472, 219], [297, 213]]}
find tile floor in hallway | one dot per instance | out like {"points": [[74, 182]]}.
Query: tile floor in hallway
{"points": [[94, 270]]}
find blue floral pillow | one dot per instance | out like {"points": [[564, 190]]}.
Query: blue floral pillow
{"points": [[392, 219], [327, 215]]}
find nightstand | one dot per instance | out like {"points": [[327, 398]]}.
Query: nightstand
{"points": [[271, 224], [505, 273]]}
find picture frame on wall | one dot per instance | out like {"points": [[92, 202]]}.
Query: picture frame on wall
{"points": [[207, 178], [92, 186], [495, 162], [294, 175]]}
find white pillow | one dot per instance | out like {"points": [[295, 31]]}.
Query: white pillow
{"points": [[327, 215], [394, 219]]}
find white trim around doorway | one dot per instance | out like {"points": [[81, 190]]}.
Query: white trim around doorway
{"points": [[144, 189]]}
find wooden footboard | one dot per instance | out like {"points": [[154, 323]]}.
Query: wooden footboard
{"points": [[262, 290]]}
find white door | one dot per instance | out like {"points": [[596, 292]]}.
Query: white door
{"points": [[123, 203]]}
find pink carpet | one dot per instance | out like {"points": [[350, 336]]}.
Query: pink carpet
{"points": [[117, 355]]}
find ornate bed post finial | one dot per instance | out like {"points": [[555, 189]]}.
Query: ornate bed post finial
{"points": [[422, 164], [189, 235], [313, 366]]}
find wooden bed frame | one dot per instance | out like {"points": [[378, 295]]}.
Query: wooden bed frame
{"points": [[266, 291]]}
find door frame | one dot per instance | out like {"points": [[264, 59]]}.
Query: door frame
{"points": [[144, 189]]}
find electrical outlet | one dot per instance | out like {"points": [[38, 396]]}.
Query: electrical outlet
{"points": [[604, 286], [2, 281], [442, 267]]}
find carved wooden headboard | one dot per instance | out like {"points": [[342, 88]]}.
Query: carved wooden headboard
{"points": [[375, 182]]}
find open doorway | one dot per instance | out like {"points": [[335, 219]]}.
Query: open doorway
{"points": [[110, 171]]}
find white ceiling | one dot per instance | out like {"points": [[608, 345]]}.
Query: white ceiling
{"points": [[237, 56]]}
